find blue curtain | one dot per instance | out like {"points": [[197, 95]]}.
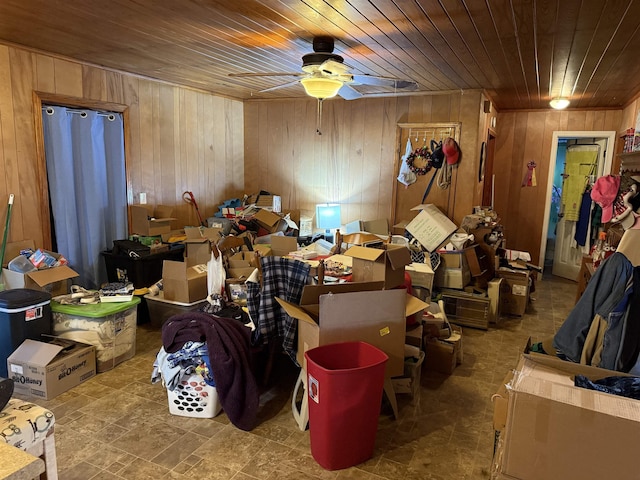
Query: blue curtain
{"points": [[87, 186]]}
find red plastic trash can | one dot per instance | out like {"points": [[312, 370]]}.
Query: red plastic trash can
{"points": [[345, 384]]}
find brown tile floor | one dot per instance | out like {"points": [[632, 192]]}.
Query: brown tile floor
{"points": [[117, 425]]}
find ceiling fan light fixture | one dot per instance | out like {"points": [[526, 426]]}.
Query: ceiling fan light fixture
{"points": [[321, 88], [559, 103]]}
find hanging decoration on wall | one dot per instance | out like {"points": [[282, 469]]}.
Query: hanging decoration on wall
{"points": [[406, 176], [483, 159], [529, 179], [419, 161]]}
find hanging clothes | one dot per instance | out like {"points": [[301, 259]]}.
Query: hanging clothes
{"points": [[584, 219], [604, 292], [581, 162], [406, 176]]}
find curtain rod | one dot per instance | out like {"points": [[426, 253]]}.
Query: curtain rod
{"points": [[110, 116]]}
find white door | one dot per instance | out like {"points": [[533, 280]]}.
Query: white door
{"points": [[584, 162]]}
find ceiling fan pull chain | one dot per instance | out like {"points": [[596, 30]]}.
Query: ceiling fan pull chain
{"points": [[319, 117]]}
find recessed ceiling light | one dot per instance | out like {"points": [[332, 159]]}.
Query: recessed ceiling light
{"points": [[559, 103]]}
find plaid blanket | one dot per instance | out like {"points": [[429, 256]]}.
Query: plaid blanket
{"points": [[284, 278]]}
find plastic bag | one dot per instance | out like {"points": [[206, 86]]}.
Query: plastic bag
{"points": [[216, 277]]}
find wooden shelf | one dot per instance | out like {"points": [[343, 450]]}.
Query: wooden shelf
{"points": [[629, 161], [629, 155]]}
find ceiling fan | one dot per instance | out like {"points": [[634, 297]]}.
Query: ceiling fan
{"points": [[325, 75]]}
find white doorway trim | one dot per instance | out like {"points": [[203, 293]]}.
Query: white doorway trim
{"points": [[608, 161]]}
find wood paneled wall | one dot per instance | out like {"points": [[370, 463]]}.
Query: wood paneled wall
{"points": [[527, 136], [354, 160], [177, 139]]}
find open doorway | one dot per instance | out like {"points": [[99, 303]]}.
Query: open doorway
{"points": [[85, 164], [561, 253]]}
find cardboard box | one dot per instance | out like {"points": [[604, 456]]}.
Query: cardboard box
{"points": [[409, 383], [263, 250], [514, 291], [378, 227], [380, 264], [421, 275], [282, 245], [213, 234], [45, 370], [240, 266], [151, 220], [184, 283], [451, 277], [551, 424], [56, 280], [430, 227], [454, 258], [454, 271], [443, 356], [197, 252], [243, 260], [354, 311], [197, 246], [271, 222]]}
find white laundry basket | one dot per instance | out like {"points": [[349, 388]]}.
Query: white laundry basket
{"points": [[194, 398]]}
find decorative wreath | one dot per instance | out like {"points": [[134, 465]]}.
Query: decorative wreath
{"points": [[423, 156]]}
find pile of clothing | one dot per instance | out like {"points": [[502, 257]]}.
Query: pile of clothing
{"points": [[219, 349]]}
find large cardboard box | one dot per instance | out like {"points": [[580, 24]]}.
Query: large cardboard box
{"points": [[183, 282], [45, 370], [514, 291], [555, 429], [351, 312], [384, 264], [150, 220], [430, 227]]}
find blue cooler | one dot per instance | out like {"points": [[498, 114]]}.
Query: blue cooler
{"points": [[24, 313]]}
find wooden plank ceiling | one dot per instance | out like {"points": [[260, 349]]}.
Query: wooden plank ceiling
{"points": [[521, 52]]}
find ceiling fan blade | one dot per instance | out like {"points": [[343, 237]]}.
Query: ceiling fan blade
{"points": [[384, 82], [348, 92], [277, 87], [268, 74]]}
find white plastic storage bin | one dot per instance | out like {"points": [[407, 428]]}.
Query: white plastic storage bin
{"points": [[161, 309], [194, 398], [111, 327]]}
